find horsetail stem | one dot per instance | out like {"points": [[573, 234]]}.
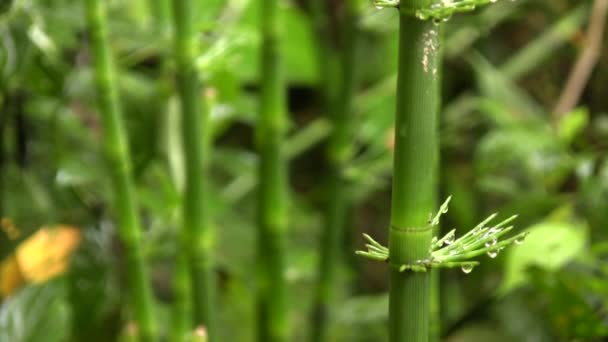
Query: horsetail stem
{"points": [[272, 192], [338, 154], [415, 163], [195, 235], [119, 163]]}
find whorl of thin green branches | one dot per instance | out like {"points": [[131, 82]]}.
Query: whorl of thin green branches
{"points": [[449, 251], [439, 10]]}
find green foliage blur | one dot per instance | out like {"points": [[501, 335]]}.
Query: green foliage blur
{"points": [[502, 151]]}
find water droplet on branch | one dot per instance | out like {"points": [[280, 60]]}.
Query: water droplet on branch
{"points": [[467, 268]]}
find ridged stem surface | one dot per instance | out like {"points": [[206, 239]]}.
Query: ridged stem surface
{"points": [[272, 186], [413, 191], [435, 303], [117, 155], [195, 235]]}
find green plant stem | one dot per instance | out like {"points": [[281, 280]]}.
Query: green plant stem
{"points": [[415, 164], [272, 191], [117, 154], [339, 152], [181, 319], [195, 236], [326, 53], [435, 304], [435, 299]]}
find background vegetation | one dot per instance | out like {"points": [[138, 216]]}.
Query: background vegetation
{"points": [[515, 138]]}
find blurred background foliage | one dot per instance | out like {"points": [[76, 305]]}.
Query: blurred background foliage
{"points": [[502, 151]]}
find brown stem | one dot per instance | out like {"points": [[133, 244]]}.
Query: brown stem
{"points": [[581, 72]]}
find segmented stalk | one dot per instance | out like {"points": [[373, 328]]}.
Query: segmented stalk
{"points": [[326, 53], [119, 165], [414, 174], [339, 152], [435, 303], [195, 235], [272, 191]]}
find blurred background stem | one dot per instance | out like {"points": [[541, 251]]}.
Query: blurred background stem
{"points": [[581, 72], [339, 152], [272, 183], [195, 236], [119, 163]]}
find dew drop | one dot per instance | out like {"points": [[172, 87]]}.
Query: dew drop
{"points": [[492, 254], [467, 268], [449, 240], [421, 15], [520, 240]]}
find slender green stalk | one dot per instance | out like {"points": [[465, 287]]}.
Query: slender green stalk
{"points": [[272, 191], [435, 297], [181, 324], [326, 52], [195, 235], [117, 154], [435, 304], [338, 154], [415, 163]]}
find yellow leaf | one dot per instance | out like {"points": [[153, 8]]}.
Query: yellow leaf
{"points": [[45, 254], [10, 276]]}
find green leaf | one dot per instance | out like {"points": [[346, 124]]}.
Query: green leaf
{"points": [[572, 124], [549, 246], [496, 87], [36, 313], [5, 6], [363, 309], [571, 303]]}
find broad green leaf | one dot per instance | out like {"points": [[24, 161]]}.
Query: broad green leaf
{"points": [[571, 303], [549, 246], [36, 313], [572, 124], [496, 87]]}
